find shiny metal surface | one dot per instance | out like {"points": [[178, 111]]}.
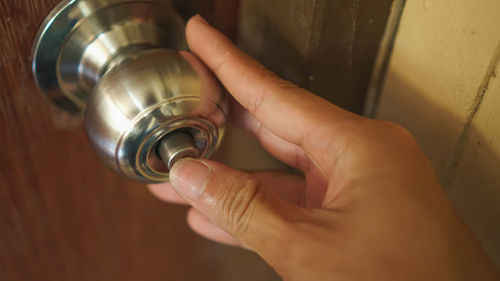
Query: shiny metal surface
{"points": [[175, 146], [118, 62], [149, 95], [79, 40]]}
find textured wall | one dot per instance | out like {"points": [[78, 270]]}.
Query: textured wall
{"points": [[328, 47], [441, 85]]}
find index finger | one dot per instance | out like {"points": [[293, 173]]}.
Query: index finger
{"points": [[290, 112]]}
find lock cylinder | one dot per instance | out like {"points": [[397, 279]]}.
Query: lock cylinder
{"points": [[175, 146]]}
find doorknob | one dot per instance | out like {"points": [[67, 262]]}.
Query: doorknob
{"points": [[122, 64]]}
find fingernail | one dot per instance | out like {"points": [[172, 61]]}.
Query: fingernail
{"points": [[188, 177], [201, 19]]}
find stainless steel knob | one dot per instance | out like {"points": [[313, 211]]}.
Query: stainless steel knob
{"points": [[146, 102]]}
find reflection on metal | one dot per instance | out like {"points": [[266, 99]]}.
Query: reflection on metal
{"points": [[118, 62], [175, 146], [79, 40]]}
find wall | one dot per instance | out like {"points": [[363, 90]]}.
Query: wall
{"points": [[442, 85], [328, 47]]}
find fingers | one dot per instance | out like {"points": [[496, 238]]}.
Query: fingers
{"points": [[165, 192], [198, 222], [287, 152], [234, 201], [288, 187], [204, 227], [289, 112]]}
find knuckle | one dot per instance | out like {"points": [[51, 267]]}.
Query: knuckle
{"points": [[283, 84], [399, 133], [256, 102], [236, 205], [223, 60]]}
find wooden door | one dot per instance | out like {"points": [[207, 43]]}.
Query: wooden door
{"points": [[63, 215]]}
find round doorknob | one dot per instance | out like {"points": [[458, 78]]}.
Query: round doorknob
{"points": [[121, 64], [156, 105]]}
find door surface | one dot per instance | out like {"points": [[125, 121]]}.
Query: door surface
{"points": [[63, 215]]}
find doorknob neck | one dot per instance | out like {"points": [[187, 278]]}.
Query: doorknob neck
{"points": [[80, 40]]}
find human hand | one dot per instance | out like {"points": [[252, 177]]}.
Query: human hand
{"points": [[369, 207]]}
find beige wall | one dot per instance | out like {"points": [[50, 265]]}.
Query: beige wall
{"points": [[441, 85]]}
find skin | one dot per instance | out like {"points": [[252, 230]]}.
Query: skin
{"points": [[369, 206]]}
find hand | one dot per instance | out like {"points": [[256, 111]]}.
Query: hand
{"points": [[369, 208]]}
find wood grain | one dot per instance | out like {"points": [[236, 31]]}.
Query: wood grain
{"points": [[64, 216], [328, 47]]}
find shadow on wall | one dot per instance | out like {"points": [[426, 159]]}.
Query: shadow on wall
{"points": [[327, 47], [263, 40], [466, 162]]}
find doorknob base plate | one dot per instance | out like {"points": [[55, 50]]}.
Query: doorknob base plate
{"points": [[81, 39]]}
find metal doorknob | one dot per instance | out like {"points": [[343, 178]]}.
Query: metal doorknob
{"points": [[146, 102]]}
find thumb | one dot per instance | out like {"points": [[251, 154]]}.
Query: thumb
{"points": [[233, 200]]}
